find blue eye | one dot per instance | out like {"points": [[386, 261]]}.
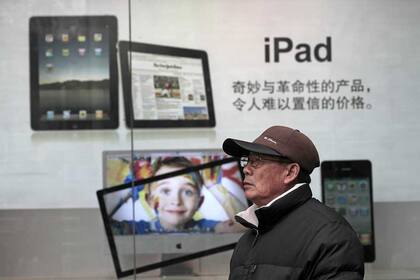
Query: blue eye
{"points": [[189, 193]]}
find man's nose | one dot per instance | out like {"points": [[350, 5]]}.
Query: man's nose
{"points": [[247, 169]]}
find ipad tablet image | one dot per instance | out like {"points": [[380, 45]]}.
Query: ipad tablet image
{"points": [[73, 70], [165, 86]]}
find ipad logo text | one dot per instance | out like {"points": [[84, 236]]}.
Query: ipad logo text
{"points": [[166, 66], [303, 52]]}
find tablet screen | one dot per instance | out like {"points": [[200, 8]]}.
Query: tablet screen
{"points": [[74, 81], [169, 86]]}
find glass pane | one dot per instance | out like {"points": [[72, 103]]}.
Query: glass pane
{"points": [[96, 95], [59, 113]]}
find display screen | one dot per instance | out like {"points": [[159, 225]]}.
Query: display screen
{"points": [[168, 88], [75, 61], [212, 194], [351, 197], [186, 205]]}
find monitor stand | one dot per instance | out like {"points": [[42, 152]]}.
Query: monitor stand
{"points": [[188, 268]]}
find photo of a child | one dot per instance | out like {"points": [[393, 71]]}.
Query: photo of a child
{"points": [[174, 203]]}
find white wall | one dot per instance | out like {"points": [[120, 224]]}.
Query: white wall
{"points": [[375, 41]]}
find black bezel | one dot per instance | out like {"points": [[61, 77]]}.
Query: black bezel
{"points": [[36, 24], [124, 50], [352, 168], [123, 273]]}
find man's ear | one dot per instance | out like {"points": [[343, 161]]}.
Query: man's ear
{"points": [[292, 173]]}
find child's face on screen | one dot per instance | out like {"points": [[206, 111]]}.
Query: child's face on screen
{"points": [[175, 199]]}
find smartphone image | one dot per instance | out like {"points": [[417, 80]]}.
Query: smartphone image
{"points": [[347, 188]]}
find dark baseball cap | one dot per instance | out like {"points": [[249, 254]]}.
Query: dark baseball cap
{"points": [[279, 141]]}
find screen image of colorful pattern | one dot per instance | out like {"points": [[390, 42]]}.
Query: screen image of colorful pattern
{"points": [[205, 200]]}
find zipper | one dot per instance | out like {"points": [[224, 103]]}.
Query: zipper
{"points": [[256, 238]]}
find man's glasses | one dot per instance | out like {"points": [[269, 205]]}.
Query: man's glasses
{"points": [[256, 160]]}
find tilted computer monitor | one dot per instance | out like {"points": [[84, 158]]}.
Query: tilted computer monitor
{"points": [[128, 210]]}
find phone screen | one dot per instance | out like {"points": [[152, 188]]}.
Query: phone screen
{"points": [[351, 198], [347, 188]]}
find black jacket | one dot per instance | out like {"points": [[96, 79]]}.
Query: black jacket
{"points": [[297, 238]]}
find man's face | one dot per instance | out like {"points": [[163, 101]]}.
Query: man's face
{"points": [[266, 181], [175, 199]]}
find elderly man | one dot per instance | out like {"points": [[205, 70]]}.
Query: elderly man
{"points": [[291, 235]]}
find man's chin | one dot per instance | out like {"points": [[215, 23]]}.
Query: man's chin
{"points": [[249, 194]]}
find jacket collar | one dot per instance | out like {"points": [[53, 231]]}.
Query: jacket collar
{"points": [[265, 217]]}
